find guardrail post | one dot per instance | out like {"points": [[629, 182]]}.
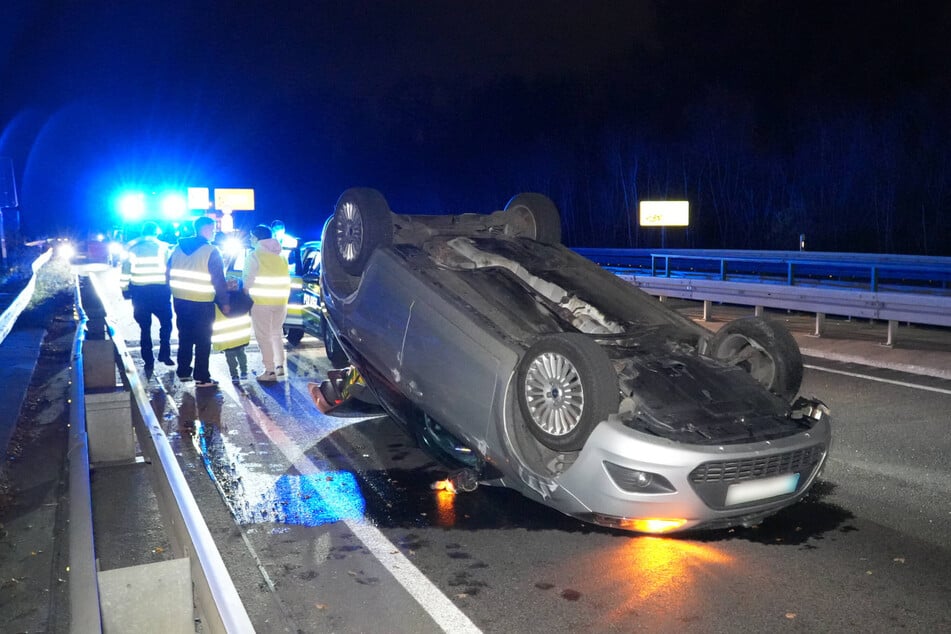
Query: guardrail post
{"points": [[892, 332], [820, 324], [723, 270], [757, 311], [109, 425], [707, 309], [873, 282], [791, 274]]}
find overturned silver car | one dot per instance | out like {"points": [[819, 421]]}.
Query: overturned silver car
{"points": [[525, 365]]}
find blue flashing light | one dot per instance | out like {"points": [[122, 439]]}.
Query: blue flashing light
{"points": [[174, 206], [132, 206]]}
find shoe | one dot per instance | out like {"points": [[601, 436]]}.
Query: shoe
{"points": [[268, 377], [235, 379], [279, 370], [186, 379], [149, 371], [208, 383], [166, 360], [244, 376]]}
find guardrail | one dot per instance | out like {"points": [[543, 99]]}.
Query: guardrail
{"points": [[892, 288], [215, 595], [9, 316], [83, 581], [870, 272]]}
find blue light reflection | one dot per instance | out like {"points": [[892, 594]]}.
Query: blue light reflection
{"points": [[254, 496]]}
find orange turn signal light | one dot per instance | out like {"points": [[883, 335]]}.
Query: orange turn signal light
{"points": [[653, 524]]}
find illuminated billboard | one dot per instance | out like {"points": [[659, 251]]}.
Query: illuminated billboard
{"points": [[234, 199], [664, 213], [198, 198]]}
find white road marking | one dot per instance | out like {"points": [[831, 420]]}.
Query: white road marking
{"points": [[442, 610], [856, 375]]}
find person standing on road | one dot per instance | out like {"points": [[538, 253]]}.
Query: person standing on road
{"points": [[268, 283], [197, 279], [144, 279]]}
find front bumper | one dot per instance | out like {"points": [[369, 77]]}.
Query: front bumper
{"points": [[713, 486]]}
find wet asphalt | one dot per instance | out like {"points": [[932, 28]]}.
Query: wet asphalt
{"points": [[287, 493]]}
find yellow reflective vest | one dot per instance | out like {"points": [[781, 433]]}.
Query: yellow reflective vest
{"points": [[145, 265], [271, 285], [189, 277], [230, 332]]}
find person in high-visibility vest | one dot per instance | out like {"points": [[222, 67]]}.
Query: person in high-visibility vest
{"points": [[197, 279], [268, 283], [143, 279], [232, 333], [295, 304]]}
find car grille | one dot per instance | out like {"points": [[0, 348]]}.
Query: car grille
{"points": [[711, 479]]}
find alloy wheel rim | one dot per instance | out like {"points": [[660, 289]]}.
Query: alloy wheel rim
{"points": [[349, 236], [554, 394]]}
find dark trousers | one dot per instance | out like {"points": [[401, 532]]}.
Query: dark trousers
{"points": [[194, 321], [147, 301]]}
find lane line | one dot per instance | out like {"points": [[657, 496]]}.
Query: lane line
{"points": [[856, 375], [440, 608]]}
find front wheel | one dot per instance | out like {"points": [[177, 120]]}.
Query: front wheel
{"points": [[763, 348], [566, 385]]}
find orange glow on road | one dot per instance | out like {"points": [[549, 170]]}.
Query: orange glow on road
{"points": [[653, 577], [653, 566]]}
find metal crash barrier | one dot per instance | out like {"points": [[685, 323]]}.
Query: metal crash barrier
{"points": [[105, 600]]}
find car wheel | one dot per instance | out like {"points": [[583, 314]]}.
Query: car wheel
{"points": [[362, 222], [294, 336], [335, 354], [763, 348], [544, 215], [566, 385]]}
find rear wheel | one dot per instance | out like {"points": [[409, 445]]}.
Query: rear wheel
{"points": [[542, 216], [294, 335], [763, 348], [362, 222], [566, 385]]}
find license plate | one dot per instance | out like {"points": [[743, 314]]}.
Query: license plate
{"points": [[761, 489]]}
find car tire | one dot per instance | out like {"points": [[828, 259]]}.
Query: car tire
{"points": [[333, 350], [763, 348], [294, 336], [566, 385], [545, 217], [361, 223]]}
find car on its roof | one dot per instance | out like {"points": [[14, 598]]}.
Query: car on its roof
{"points": [[522, 364]]}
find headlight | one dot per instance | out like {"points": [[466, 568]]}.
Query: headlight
{"points": [[635, 481], [65, 250]]}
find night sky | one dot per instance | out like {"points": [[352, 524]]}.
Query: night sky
{"points": [[456, 106]]}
